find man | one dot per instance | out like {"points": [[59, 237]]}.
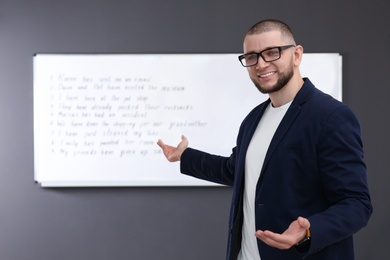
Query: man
{"points": [[299, 181]]}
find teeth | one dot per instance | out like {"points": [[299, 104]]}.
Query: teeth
{"points": [[266, 75]]}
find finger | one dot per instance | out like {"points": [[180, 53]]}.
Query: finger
{"points": [[163, 145], [160, 143], [276, 238], [273, 239], [269, 236]]}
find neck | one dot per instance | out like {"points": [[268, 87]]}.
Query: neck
{"points": [[287, 93]]}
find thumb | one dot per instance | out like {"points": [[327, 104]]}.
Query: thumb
{"points": [[304, 222], [183, 138], [184, 142]]}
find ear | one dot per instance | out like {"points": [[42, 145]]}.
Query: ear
{"points": [[298, 53]]}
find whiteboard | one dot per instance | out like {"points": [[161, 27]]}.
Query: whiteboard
{"points": [[97, 117]]}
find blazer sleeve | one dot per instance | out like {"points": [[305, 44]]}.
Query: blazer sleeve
{"points": [[205, 166], [343, 177]]}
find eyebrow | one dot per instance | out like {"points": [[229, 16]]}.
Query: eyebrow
{"points": [[253, 52]]}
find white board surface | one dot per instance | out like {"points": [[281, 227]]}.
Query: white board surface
{"points": [[97, 117]]}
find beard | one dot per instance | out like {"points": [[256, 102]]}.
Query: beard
{"points": [[282, 81]]}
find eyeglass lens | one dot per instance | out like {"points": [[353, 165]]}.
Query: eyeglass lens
{"points": [[267, 55]]}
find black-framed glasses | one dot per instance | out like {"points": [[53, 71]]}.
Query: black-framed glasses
{"points": [[268, 55]]}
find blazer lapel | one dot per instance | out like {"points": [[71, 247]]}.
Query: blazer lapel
{"points": [[287, 121]]}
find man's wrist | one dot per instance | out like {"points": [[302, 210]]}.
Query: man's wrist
{"points": [[304, 245]]}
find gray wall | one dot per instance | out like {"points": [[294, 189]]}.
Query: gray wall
{"points": [[169, 223]]}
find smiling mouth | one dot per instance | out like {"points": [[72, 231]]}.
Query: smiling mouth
{"points": [[266, 75]]}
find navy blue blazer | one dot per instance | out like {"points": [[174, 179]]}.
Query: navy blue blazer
{"points": [[313, 168]]}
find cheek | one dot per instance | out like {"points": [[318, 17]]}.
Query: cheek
{"points": [[251, 72]]}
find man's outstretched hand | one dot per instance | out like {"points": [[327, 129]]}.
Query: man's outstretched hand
{"points": [[172, 153], [291, 236]]}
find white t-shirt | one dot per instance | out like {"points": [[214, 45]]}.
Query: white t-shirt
{"points": [[253, 164]]}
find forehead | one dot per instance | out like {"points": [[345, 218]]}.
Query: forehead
{"points": [[261, 41]]}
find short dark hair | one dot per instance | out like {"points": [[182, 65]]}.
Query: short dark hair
{"points": [[271, 25]]}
